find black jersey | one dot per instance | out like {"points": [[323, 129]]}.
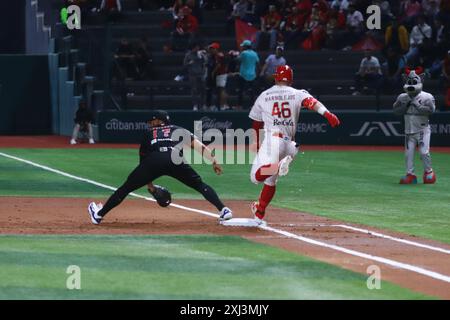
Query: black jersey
{"points": [[164, 139]]}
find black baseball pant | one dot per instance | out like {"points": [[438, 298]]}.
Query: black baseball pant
{"points": [[159, 164]]}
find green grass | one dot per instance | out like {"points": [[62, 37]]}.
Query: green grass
{"points": [[173, 267], [359, 187]]}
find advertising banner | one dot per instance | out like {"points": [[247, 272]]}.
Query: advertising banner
{"points": [[358, 127]]}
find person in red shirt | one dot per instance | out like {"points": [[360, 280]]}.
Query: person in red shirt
{"points": [[110, 5], [270, 24], [111, 9], [220, 73], [314, 27], [305, 7], [334, 28], [292, 27], [185, 31]]}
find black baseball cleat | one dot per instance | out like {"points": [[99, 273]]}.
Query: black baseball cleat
{"points": [[225, 214]]}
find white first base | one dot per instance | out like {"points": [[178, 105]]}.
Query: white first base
{"points": [[241, 222]]}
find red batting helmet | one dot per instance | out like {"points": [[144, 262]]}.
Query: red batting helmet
{"points": [[284, 73]]}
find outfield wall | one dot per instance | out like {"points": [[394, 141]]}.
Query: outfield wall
{"points": [[358, 127], [24, 94]]}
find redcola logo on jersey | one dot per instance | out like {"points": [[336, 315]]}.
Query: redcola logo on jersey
{"points": [[286, 123]]}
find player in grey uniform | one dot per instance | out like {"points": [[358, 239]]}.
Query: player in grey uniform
{"points": [[416, 106]]}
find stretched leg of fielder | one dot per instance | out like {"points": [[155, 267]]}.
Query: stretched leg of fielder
{"points": [[139, 177], [188, 176]]}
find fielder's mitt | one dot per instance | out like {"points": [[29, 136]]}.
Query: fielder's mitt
{"points": [[161, 195]]}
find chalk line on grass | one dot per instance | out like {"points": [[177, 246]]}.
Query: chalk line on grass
{"points": [[386, 261]]}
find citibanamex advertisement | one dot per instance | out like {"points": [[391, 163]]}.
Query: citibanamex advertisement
{"points": [[362, 128]]}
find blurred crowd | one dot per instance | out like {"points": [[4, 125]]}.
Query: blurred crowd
{"points": [[210, 69], [412, 33]]}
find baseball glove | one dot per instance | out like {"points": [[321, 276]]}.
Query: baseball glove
{"points": [[161, 195]]}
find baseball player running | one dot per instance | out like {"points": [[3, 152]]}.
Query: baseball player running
{"points": [[156, 153], [277, 111], [416, 106]]}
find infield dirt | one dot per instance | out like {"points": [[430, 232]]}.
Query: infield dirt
{"points": [[26, 215]]}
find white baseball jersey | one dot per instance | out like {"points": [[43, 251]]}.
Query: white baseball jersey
{"points": [[279, 108]]}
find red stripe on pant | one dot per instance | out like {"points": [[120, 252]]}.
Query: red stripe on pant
{"points": [[265, 172]]}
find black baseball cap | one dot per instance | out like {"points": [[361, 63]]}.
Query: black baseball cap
{"points": [[160, 115]]}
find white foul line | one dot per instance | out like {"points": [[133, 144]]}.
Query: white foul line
{"points": [[384, 236], [68, 175], [389, 262]]}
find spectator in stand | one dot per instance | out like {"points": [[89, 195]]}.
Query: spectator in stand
{"points": [[270, 24], [354, 26], [233, 62], [196, 10], [270, 66], [220, 73], [210, 78], [111, 9], [444, 12], [393, 68], [440, 37], [194, 62], [238, 12], [440, 45], [125, 62], [249, 61], [304, 7], [446, 78], [369, 74], [316, 25], [324, 9], [239, 9], [83, 122], [334, 29], [180, 8], [177, 6], [341, 5], [293, 27], [285, 7], [419, 38], [432, 51], [251, 15], [396, 37], [410, 10], [386, 14], [185, 32], [430, 9], [144, 61]]}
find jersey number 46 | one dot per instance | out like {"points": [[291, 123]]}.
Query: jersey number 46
{"points": [[283, 112]]}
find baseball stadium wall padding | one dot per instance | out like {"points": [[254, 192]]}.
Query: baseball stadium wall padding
{"points": [[24, 94], [358, 127]]}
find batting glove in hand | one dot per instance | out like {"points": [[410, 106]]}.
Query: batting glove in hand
{"points": [[162, 196], [332, 119]]}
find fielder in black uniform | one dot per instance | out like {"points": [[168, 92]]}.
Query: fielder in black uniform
{"points": [[161, 154]]}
